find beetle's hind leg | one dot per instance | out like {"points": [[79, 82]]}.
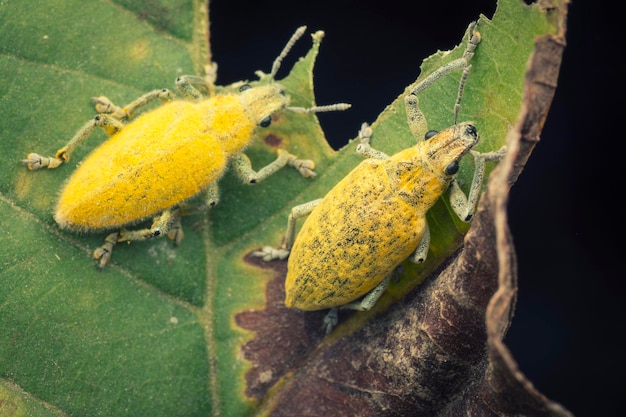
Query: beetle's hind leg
{"points": [[364, 304], [160, 226], [210, 198]]}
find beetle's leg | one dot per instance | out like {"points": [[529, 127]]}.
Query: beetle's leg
{"points": [[242, 166], [175, 231], [330, 320], [297, 213], [160, 226], [472, 42], [463, 206], [268, 253], [305, 167], [473, 39], [370, 299], [365, 304], [103, 253], [364, 149], [415, 117], [422, 248], [109, 123], [108, 119], [105, 105], [210, 199]]}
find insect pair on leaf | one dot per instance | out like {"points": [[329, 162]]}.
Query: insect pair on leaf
{"points": [[353, 239]]}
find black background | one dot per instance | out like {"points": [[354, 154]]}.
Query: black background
{"points": [[565, 210]]}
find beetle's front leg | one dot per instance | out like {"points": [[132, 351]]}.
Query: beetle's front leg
{"points": [[242, 166], [463, 206]]}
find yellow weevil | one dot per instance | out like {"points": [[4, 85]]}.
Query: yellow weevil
{"points": [[373, 219], [150, 167]]}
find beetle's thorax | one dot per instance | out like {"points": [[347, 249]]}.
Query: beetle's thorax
{"points": [[263, 101], [419, 174]]}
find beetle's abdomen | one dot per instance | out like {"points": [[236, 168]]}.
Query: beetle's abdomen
{"points": [[159, 160], [354, 238]]}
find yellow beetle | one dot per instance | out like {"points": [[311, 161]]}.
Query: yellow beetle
{"points": [[375, 218], [153, 165]]}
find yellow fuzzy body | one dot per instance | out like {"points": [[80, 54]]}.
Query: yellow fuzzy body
{"points": [[369, 223], [161, 159]]}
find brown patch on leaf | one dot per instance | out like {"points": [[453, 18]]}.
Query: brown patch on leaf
{"points": [[272, 140], [283, 335]]}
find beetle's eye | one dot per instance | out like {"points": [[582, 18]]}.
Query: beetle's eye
{"points": [[430, 134], [245, 87], [266, 122], [452, 168], [470, 130]]}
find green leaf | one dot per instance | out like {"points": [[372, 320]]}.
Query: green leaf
{"points": [[198, 329]]}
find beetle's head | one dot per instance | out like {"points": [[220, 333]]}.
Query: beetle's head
{"points": [[445, 149], [263, 101]]}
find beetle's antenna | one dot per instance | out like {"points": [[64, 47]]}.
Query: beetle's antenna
{"points": [[278, 61], [320, 109], [294, 38]]}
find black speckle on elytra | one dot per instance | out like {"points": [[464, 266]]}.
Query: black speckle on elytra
{"points": [[272, 140]]}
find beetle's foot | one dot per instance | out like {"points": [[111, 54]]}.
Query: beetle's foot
{"points": [[35, 161], [331, 319], [103, 253], [304, 166], [365, 133], [268, 253], [175, 232]]}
